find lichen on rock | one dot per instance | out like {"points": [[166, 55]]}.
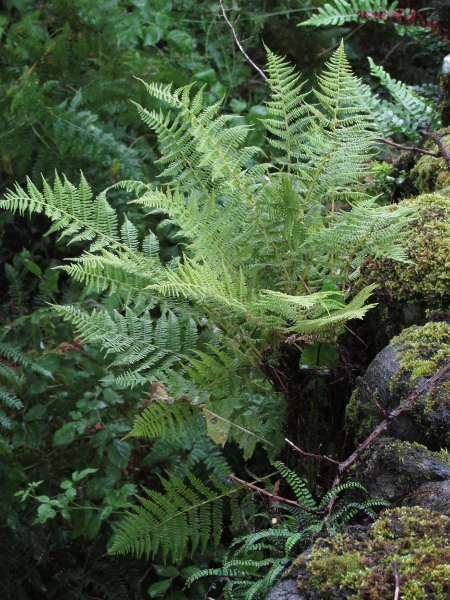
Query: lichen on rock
{"points": [[361, 563]]}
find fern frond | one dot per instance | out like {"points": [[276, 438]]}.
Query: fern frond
{"points": [[177, 523], [409, 113], [302, 493], [346, 11], [333, 148], [286, 105], [147, 349], [71, 210], [160, 419]]}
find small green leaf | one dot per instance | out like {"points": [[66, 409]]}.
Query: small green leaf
{"points": [[65, 485], [158, 588], [65, 434], [180, 41], [33, 267], [106, 512], [43, 499], [71, 494], [119, 453], [78, 475], [45, 512], [208, 75], [35, 413], [319, 355], [189, 571], [151, 35], [166, 570], [238, 106]]}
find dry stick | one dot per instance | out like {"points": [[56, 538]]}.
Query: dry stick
{"points": [[336, 462], [344, 466], [321, 513], [443, 149], [408, 148], [374, 400], [260, 71], [397, 582]]}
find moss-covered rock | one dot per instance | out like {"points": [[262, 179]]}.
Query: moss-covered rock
{"points": [[427, 277], [431, 174], [361, 563], [399, 369], [393, 469]]}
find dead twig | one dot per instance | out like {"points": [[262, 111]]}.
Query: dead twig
{"points": [[408, 148], [321, 513], [239, 45], [374, 399], [397, 582], [443, 148], [319, 456]]}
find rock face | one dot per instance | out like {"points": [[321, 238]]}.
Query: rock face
{"points": [[394, 470], [363, 562], [286, 589], [398, 370], [409, 464]]}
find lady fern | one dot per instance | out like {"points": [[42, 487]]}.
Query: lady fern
{"points": [[268, 253], [267, 250]]}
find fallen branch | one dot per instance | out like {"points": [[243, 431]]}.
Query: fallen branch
{"points": [[408, 148], [239, 45], [319, 456], [321, 513]]}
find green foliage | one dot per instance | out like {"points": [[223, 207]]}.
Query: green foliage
{"points": [[283, 229], [255, 560], [180, 521], [261, 252], [345, 11]]}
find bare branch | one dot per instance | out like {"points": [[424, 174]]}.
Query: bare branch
{"points": [[397, 582], [321, 513], [239, 45], [320, 456], [408, 148]]}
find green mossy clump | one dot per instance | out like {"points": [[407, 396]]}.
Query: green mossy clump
{"points": [[431, 174], [360, 564], [359, 417], [422, 350], [427, 276]]}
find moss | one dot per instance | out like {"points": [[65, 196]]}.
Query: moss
{"points": [[427, 277], [422, 350], [359, 564], [430, 174], [359, 417]]}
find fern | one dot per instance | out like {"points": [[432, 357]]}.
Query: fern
{"points": [[11, 357], [345, 11], [179, 522], [267, 250], [251, 577], [408, 114]]}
